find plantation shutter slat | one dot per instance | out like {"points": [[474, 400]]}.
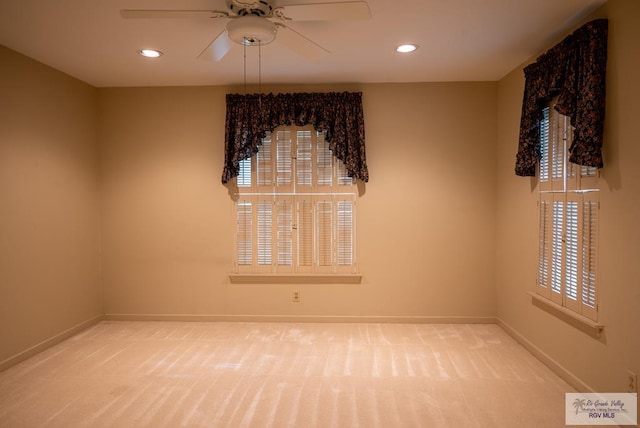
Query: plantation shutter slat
{"points": [[557, 150], [304, 159], [324, 232], [284, 160], [284, 231], [571, 253], [544, 175], [244, 233], [264, 164], [344, 179], [265, 232], [590, 208], [345, 233], [324, 162], [557, 236], [588, 176], [305, 233], [544, 245], [244, 176], [573, 171]]}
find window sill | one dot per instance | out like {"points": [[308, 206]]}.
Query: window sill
{"points": [[294, 278], [583, 323]]}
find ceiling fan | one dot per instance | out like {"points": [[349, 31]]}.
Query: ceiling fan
{"points": [[256, 23]]}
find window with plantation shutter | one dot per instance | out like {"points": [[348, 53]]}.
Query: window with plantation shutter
{"points": [[567, 223], [295, 208]]}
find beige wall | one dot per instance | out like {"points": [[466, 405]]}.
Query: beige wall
{"points": [[425, 222], [599, 363], [49, 273]]}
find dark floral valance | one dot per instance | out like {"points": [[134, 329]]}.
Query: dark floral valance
{"points": [[251, 116], [574, 70]]}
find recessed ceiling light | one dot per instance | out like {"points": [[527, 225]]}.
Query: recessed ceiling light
{"points": [[150, 53], [406, 48]]}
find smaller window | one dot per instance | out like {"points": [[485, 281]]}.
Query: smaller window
{"points": [[568, 221]]}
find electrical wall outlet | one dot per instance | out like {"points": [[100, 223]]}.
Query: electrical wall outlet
{"points": [[632, 382], [295, 296]]}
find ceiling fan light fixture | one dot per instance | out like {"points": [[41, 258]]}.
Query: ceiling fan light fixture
{"points": [[251, 30], [150, 53], [406, 48]]}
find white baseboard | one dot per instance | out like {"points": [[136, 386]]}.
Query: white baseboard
{"points": [[48, 343], [556, 367], [301, 318]]}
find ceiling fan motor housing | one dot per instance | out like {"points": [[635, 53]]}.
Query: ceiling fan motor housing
{"points": [[251, 30], [250, 7]]}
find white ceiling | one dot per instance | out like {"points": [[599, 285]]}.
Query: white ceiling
{"points": [[460, 40]]}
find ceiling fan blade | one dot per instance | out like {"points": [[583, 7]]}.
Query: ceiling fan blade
{"points": [[171, 14], [300, 44], [217, 49], [341, 11]]}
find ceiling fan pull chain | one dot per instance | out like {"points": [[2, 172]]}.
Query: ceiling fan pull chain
{"points": [[244, 62], [260, 73]]}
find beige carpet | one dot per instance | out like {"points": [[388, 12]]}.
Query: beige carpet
{"points": [[164, 374]]}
